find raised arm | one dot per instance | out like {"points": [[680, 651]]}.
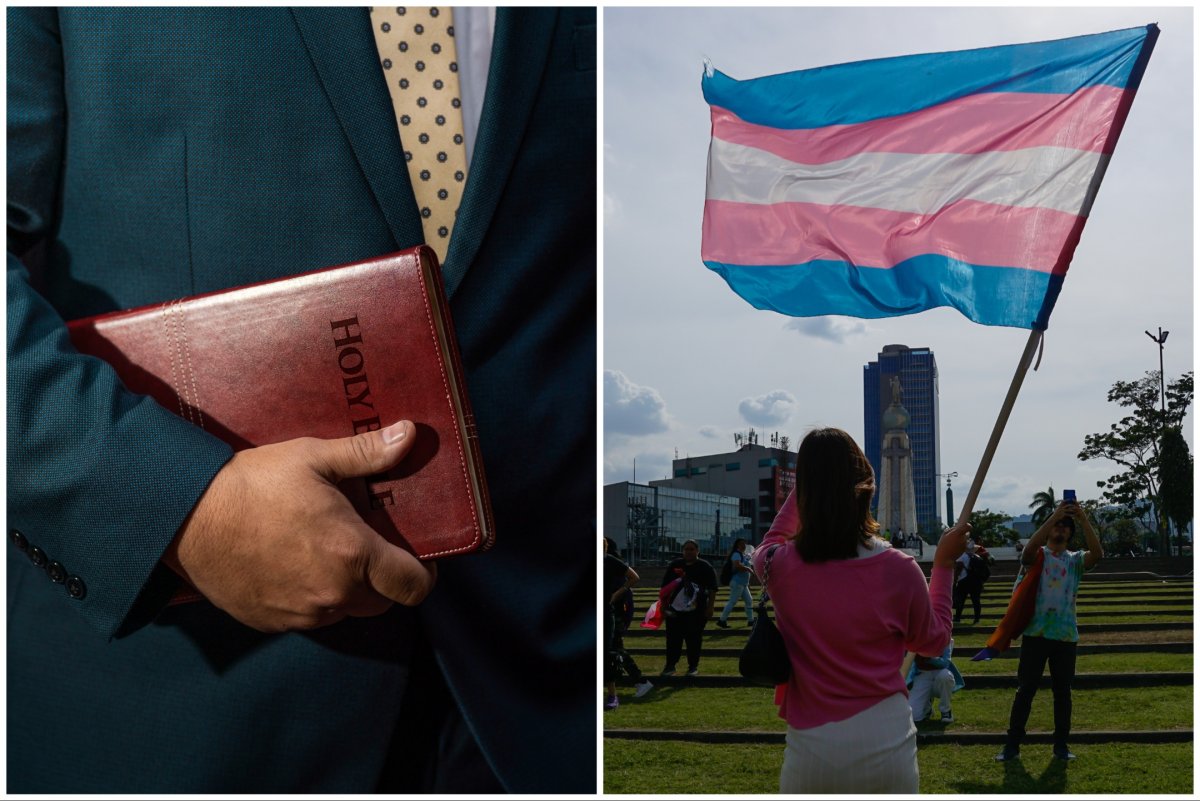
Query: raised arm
{"points": [[1040, 537], [1095, 551], [930, 622], [783, 529]]}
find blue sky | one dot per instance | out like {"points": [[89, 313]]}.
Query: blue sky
{"points": [[688, 363]]}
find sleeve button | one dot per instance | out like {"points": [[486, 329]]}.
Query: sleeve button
{"points": [[56, 572], [76, 588], [18, 539], [38, 556]]}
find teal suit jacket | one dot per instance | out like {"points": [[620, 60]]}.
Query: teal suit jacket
{"points": [[158, 153]]}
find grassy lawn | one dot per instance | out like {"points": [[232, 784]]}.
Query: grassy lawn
{"points": [[677, 768], [752, 709], [1087, 663]]}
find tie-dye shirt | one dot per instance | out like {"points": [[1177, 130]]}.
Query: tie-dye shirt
{"points": [[1054, 614]]}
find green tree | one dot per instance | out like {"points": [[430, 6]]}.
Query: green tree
{"points": [[1043, 506], [1175, 481], [988, 529], [1122, 536], [1134, 441]]}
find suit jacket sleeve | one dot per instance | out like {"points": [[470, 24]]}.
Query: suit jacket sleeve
{"points": [[99, 479]]}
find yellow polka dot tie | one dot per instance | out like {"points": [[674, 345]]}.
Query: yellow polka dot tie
{"points": [[416, 46]]}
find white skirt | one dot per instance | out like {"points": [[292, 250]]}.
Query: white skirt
{"points": [[873, 752]]}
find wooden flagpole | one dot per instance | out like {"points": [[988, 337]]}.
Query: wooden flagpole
{"points": [[1031, 346]]}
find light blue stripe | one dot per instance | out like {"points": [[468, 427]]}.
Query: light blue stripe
{"points": [[1006, 296], [867, 90]]}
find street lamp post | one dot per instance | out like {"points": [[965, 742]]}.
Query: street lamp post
{"points": [[1162, 389], [949, 497]]}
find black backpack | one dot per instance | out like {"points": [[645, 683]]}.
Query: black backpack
{"points": [[727, 572], [977, 568]]}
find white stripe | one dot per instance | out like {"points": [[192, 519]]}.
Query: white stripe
{"points": [[1037, 177]]}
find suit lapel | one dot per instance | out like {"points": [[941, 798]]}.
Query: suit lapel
{"points": [[342, 48], [520, 48]]}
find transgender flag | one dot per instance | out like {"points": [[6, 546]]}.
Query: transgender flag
{"points": [[888, 187]]}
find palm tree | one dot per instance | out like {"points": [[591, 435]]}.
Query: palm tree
{"points": [[1043, 506]]}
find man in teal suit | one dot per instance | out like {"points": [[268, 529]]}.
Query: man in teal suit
{"points": [[159, 153]]}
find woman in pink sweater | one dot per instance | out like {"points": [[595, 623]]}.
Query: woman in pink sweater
{"points": [[849, 606]]}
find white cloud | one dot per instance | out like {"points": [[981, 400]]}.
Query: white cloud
{"points": [[771, 409], [711, 432], [632, 409], [620, 465], [834, 329]]}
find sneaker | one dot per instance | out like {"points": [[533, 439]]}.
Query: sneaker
{"points": [[612, 703], [693, 672], [1064, 754], [668, 671], [1008, 754], [947, 717], [641, 688], [722, 624], [750, 623]]}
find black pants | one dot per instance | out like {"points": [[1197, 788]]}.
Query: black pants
{"points": [[624, 662], [962, 590], [686, 627], [1035, 653]]}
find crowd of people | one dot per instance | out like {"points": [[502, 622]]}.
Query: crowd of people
{"points": [[850, 605]]}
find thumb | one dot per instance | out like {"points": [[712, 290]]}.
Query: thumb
{"points": [[396, 574], [363, 454]]}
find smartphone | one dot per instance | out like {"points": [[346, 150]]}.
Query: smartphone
{"points": [[1068, 496]]}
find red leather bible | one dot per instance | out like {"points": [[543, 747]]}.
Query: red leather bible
{"points": [[326, 354]]}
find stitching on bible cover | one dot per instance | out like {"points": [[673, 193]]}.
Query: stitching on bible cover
{"points": [[169, 329], [457, 439], [181, 310]]}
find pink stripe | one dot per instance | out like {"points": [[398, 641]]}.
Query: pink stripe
{"points": [[972, 124], [968, 230]]}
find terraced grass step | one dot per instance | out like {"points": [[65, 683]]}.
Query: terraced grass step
{"points": [[745, 708], [1082, 681], [924, 737], [966, 652], [678, 768], [637, 633]]}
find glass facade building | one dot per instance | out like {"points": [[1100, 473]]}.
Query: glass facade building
{"points": [[917, 370], [650, 524]]}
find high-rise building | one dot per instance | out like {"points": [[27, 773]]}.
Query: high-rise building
{"points": [[917, 370]]}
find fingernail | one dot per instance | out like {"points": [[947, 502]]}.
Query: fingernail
{"points": [[396, 432]]}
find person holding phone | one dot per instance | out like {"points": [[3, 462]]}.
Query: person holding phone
{"points": [[1052, 635]]}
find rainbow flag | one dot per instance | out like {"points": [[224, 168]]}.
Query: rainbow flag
{"points": [[888, 187]]}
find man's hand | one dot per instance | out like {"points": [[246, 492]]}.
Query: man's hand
{"points": [[952, 545], [274, 543]]}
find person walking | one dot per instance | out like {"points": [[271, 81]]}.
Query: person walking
{"points": [[848, 606], [619, 578], [972, 571], [1052, 634], [739, 584], [688, 606]]}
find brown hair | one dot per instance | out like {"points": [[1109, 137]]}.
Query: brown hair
{"points": [[834, 486]]}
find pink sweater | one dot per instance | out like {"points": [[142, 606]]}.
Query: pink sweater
{"points": [[847, 624]]}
